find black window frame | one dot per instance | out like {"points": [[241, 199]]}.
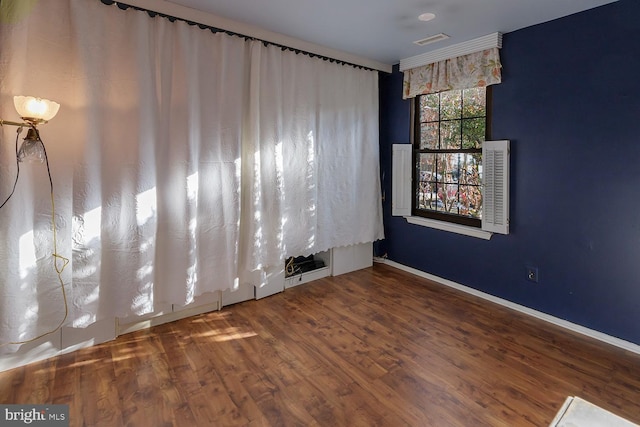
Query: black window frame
{"points": [[438, 215]]}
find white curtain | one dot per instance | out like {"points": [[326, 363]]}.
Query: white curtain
{"points": [[312, 157], [182, 160], [164, 105]]}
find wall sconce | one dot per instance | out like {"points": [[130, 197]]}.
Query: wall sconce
{"points": [[33, 111]]}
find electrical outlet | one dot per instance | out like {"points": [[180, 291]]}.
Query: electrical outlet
{"points": [[532, 274]]}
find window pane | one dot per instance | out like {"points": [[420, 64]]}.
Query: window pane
{"points": [[474, 102], [450, 135], [473, 133], [429, 136], [470, 201], [425, 192], [447, 167], [470, 169], [426, 195], [451, 104], [449, 198], [426, 167], [436, 203], [429, 108]]}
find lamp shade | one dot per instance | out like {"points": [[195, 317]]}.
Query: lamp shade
{"points": [[31, 151], [34, 109]]}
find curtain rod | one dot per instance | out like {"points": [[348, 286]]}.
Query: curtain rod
{"points": [[153, 14]]}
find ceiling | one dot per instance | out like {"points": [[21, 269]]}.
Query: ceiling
{"points": [[384, 30]]}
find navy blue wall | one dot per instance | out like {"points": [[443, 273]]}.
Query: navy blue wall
{"points": [[570, 104]]}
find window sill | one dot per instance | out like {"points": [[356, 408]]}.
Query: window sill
{"points": [[448, 226]]}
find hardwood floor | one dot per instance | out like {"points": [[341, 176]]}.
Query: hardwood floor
{"points": [[377, 347]]}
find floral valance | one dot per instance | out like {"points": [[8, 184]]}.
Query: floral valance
{"points": [[473, 70]]}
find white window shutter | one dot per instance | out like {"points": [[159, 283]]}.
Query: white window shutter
{"points": [[495, 186], [401, 180]]}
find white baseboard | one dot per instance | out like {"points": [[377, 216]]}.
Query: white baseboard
{"points": [[67, 340], [63, 341], [626, 345], [126, 328]]}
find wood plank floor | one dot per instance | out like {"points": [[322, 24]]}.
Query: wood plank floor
{"points": [[377, 347]]}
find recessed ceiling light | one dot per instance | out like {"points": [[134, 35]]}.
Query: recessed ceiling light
{"points": [[426, 17]]}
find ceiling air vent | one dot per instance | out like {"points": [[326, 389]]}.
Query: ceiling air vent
{"points": [[431, 39]]}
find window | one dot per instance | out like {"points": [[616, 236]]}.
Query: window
{"points": [[449, 129]]}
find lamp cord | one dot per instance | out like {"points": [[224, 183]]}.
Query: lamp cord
{"points": [[18, 131], [56, 257], [289, 268]]}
